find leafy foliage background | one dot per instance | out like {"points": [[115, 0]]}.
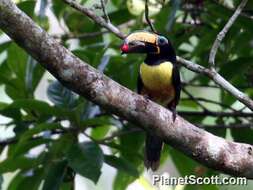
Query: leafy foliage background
{"points": [[72, 133]]}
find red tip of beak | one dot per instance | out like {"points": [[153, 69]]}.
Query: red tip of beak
{"points": [[124, 48]]}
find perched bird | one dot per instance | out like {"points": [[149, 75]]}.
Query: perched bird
{"points": [[158, 80]]}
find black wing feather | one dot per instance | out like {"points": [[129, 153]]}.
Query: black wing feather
{"points": [[176, 83]]}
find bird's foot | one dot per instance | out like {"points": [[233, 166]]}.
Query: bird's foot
{"points": [[146, 96], [174, 115]]}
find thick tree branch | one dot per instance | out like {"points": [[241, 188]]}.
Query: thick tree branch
{"points": [[213, 151], [223, 33]]}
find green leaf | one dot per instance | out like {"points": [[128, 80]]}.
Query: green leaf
{"points": [[178, 158], [56, 150], [84, 55], [17, 59], [120, 16], [90, 55], [39, 107], [86, 159], [21, 162], [25, 142], [241, 64], [5, 75], [27, 7], [209, 187], [54, 175], [218, 132], [67, 186], [79, 26], [24, 147], [39, 128], [189, 167], [27, 180], [4, 46], [188, 104], [16, 89], [5, 110], [122, 180], [58, 8], [243, 135], [100, 131], [135, 140], [97, 121], [132, 155], [122, 165], [117, 2], [61, 96], [125, 74]]}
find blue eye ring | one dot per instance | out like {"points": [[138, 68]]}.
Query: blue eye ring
{"points": [[162, 40]]}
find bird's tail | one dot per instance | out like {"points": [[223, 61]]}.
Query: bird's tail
{"points": [[153, 150]]}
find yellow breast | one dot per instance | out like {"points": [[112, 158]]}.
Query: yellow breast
{"points": [[157, 77]]}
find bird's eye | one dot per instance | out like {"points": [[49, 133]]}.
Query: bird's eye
{"points": [[162, 40]]}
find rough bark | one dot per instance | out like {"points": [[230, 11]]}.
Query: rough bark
{"points": [[215, 152]]}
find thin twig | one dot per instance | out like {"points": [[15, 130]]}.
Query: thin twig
{"points": [[104, 11], [243, 108], [223, 33], [218, 79], [210, 85], [98, 19], [147, 17], [195, 100], [223, 126], [210, 101], [215, 114]]}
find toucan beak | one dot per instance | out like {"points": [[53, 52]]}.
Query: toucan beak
{"points": [[140, 42], [133, 47]]}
